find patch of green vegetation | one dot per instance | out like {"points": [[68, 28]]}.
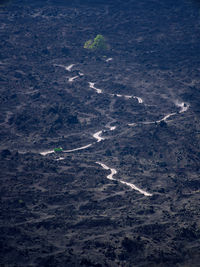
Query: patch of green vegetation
{"points": [[88, 44], [98, 43], [58, 149]]}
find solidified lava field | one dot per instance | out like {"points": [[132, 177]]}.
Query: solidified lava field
{"points": [[124, 190]]}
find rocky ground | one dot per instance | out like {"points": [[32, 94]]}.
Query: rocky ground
{"points": [[59, 209]]}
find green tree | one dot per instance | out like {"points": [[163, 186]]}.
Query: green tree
{"points": [[58, 149], [98, 43], [88, 44]]}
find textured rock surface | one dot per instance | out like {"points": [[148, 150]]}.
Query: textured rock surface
{"points": [[59, 209]]}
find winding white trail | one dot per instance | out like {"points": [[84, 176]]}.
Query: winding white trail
{"points": [[109, 59], [61, 158], [152, 122], [68, 68], [113, 171], [72, 78], [112, 128], [184, 107], [132, 186], [166, 117], [44, 153], [76, 149], [137, 189], [139, 99], [99, 91], [98, 137]]}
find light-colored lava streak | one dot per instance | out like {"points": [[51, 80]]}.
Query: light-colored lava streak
{"points": [[132, 186]]}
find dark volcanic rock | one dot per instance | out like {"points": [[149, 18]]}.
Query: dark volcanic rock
{"points": [[59, 209]]}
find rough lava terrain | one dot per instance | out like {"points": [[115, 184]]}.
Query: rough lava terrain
{"points": [[124, 189]]}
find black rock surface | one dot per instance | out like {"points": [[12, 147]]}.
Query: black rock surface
{"points": [[60, 209]]}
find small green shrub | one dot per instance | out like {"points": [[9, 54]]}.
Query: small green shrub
{"points": [[88, 44], [98, 43], [58, 149]]}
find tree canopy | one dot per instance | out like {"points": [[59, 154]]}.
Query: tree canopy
{"points": [[98, 43]]}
